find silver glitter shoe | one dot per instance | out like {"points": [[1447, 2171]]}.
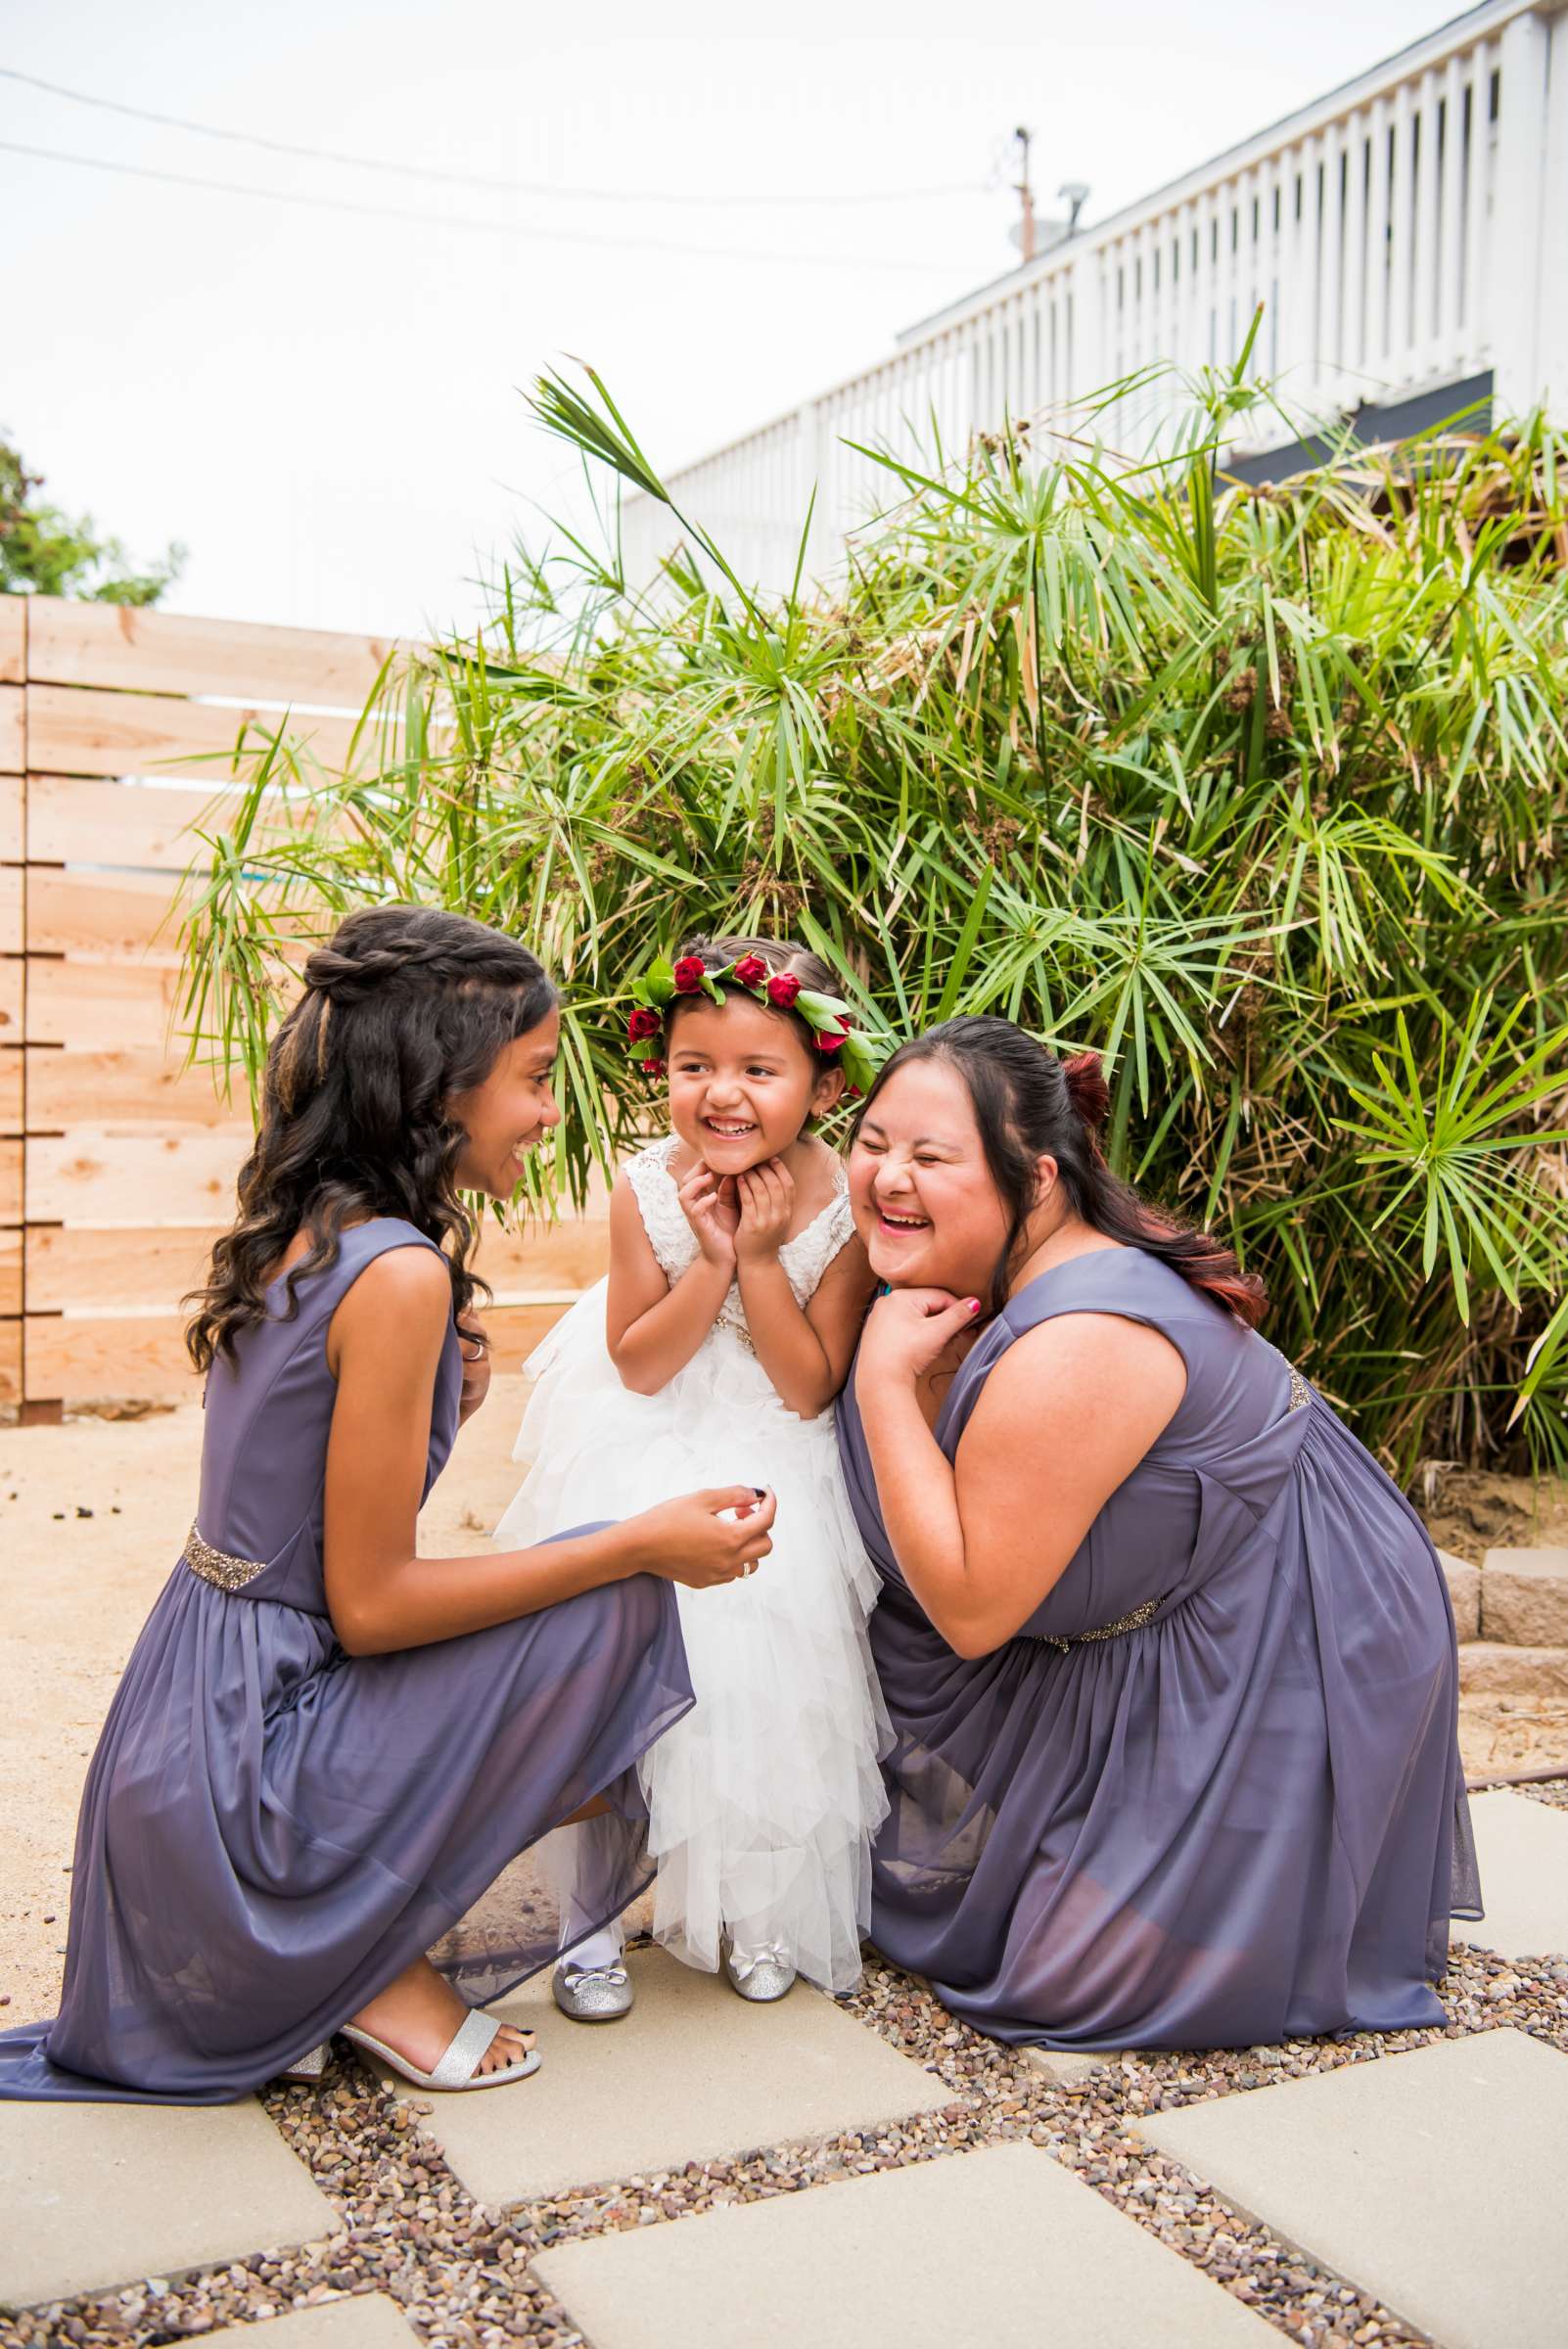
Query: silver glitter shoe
{"points": [[763, 1978], [594, 1994]]}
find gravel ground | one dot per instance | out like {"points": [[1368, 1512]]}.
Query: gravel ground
{"points": [[1553, 1792], [463, 2277]]}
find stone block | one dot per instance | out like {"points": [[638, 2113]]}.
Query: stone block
{"points": [[1003, 2247], [1494, 1668], [1522, 1848], [1524, 1598], [1432, 2180], [96, 2195], [692, 2074], [366, 2321], [1464, 1592], [1068, 2069]]}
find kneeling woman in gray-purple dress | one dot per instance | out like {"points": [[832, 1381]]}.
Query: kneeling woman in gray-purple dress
{"points": [[1170, 1661], [327, 1751]]}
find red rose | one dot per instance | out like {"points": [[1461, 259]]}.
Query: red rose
{"points": [[690, 972], [642, 1024], [853, 1092], [831, 1039], [782, 990], [750, 970], [654, 1067]]}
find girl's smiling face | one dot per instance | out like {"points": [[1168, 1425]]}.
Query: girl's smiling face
{"points": [[924, 1202], [505, 1114], [743, 1080]]}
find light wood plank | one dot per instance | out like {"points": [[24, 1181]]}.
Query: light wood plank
{"points": [[10, 1362], [12, 1073], [12, 969], [124, 1091], [74, 819], [78, 731], [136, 1356], [568, 1255], [13, 639], [108, 1273], [80, 819], [97, 1006], [169, 652], [10, 1271], [82, 1269], [11, 905], [12, 726], [136, 915], [12, 815], [10, 1182], [132, 1180], [144, 1355]]}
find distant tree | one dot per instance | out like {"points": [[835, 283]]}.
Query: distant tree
{"points": [[45, 551]]}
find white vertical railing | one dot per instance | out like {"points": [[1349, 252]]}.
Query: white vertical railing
{"points": [[1404, 233]]}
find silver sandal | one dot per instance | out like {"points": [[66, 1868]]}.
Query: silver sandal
{"points": [[454, 2070]]}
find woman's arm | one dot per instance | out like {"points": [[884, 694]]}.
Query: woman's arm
{"points": [[1063, 1420], [384, 1347], [653, 1328]]}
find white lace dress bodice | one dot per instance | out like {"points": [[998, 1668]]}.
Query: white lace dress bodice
{"points": [[761, 1801], [805, 1258]]}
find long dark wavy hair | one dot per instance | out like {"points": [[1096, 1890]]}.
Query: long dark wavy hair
{"points": [[1030, 1105], [405, 1007]]}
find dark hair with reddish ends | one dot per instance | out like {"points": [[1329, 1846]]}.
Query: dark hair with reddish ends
{"points": [[1030, 1105], [406, 1006], [785, 958]]}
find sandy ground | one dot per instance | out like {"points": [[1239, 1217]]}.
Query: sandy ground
{"points": [[92, 1515]]}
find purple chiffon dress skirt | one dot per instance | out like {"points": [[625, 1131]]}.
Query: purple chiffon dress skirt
{"points": [[272, 1829], [1209, 1795]]}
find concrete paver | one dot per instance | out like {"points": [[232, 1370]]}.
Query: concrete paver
{"points": [[368, 2320], [1004, 2247], [1523, 1851], [1432, 2178], [99, 2194], [692, 2074]]}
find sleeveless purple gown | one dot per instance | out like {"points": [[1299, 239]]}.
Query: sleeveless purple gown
{"points": [[1241, 1821], [271, 1829]]}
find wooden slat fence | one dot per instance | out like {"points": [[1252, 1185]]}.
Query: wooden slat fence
{"points": [[116, 1161]]}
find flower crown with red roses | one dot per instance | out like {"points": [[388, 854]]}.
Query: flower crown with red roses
{"points": [[832, 1027]]}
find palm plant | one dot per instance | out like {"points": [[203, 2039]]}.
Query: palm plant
{"points": [[1261, 790]]}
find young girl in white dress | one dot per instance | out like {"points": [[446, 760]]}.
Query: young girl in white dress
{"points": [[712, 1355]]}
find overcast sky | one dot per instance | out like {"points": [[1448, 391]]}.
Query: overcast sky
{"points": [[324, 405]]}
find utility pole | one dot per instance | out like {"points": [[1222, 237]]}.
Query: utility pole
{"points": [[1025, 194]]}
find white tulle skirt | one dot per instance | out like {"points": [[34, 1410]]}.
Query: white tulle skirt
{"points": [[763, 1799]]}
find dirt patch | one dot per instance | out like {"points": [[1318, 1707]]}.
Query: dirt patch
{"points": [[1468, 1512]]}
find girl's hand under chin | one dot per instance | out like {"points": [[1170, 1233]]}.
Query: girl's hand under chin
{"points": [[907, 1331], [767, 1204], [710, 1205]]}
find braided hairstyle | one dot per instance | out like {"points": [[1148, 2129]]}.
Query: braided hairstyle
{"points": [[1030, 1105], [406, 1006]]}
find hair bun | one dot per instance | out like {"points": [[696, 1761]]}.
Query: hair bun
{"points": [[1087, 1090]]}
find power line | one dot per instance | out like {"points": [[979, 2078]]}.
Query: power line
{"points": [[495, 228], [468, 179]]}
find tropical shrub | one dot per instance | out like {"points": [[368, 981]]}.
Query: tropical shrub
{"points": [[1259, 789]]}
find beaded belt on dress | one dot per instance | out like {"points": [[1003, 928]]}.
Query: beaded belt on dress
{"points": [[1301, 1395], [220, 1566]]}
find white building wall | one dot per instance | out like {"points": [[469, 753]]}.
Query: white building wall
{"points": [[1402, 233]]}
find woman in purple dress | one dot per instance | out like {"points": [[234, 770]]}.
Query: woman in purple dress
{"points": [[1170, 1661], [327, 1751]]}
